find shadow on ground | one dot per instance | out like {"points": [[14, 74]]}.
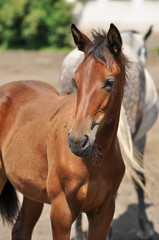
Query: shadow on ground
{"points": [[124, 227]]}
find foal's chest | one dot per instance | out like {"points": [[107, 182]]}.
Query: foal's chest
{"points": [[96, 192]]}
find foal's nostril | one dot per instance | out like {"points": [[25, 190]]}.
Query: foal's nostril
{"points": [[79, 146], [85, 141]]}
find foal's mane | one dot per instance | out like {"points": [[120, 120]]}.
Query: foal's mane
{"points": [[97, 47]]}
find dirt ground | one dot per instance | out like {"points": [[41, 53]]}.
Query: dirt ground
{"points": [[18, 65]]}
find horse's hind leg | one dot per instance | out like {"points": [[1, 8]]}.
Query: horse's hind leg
{"points": [[146, 228], [28, 216]]}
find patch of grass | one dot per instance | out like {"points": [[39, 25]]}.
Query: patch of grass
{"points": [[153, 50], [38, 48]]}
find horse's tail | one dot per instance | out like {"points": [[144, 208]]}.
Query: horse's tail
{"points": [[132, 158], [9, 203]]}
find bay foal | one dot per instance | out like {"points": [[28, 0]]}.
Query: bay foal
{"points": [[64, 150]]}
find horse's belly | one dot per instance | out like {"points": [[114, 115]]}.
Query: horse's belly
{"points": [[26, 167], [28, 181]]}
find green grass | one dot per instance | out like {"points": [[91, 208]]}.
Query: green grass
{"points": [[41, 48], [50, 48], [153, 50]]}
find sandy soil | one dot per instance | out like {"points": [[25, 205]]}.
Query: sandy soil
{"points": [[46, 66]]}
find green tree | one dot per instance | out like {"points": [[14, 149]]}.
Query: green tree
{"points": [[35, 23]]}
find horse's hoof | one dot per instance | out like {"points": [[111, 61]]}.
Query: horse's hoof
{"points": [[148, 232]]}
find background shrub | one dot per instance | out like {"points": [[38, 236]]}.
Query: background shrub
{"points": [[35, 23]]}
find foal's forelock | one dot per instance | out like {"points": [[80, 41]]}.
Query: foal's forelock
{"points": [[98, 45], [98, 49]]}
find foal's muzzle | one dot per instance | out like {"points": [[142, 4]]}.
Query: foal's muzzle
{"points": [[80, 147]]}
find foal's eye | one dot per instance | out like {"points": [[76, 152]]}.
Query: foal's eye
{"points": [[109, 83], [74, 84]]}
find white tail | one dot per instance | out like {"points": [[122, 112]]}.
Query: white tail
{"points": [[132, 158]]}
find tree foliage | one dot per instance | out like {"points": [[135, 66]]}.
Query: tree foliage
{"points": [[35, 23]]}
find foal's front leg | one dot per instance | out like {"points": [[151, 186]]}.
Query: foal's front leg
{"points": [[61, 218], [100, 221]]}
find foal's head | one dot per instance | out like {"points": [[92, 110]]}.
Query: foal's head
{"points": [[99, 81]]}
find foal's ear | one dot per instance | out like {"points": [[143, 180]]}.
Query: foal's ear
{"points": [[80, 39], [114, 39]]}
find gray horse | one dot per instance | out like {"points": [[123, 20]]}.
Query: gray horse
{"points": [[140, 103]]}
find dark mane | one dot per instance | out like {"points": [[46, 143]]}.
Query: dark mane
{"points": [[96, 47], [128, 64]]}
